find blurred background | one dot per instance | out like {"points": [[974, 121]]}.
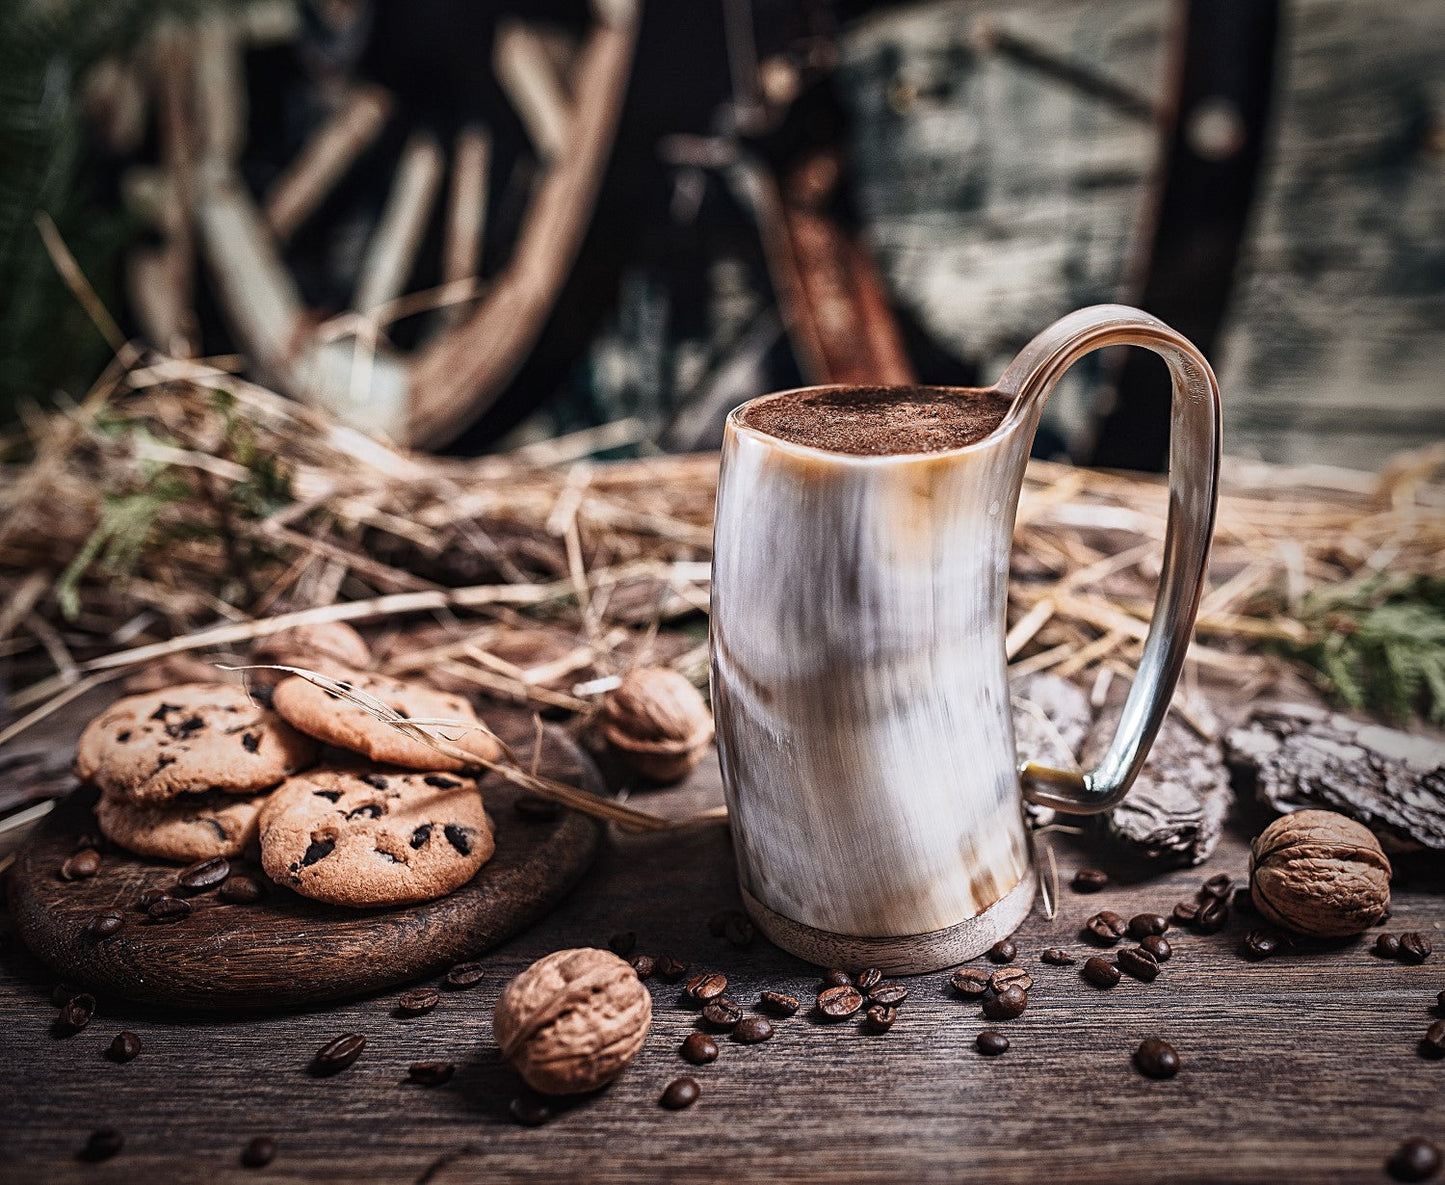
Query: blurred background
{"points": [[474, 225]]}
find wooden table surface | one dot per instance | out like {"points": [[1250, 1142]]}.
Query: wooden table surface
{"points": [[1303, 1068]]}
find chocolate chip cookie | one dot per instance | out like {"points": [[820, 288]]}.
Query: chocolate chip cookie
{"points": [[327, 717], [370, 838], [187, 828], [187, 740]]}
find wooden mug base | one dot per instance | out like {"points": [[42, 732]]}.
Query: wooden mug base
{"points": [[909, 954]]}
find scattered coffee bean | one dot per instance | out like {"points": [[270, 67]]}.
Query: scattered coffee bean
{"points": [[1056, 957], [1008, 1004], [464, 975], [779, 1003], [1218, 886], [81, 866], [868, 979], [203, 874], [75, 1013], [431, 1073], [124, 1047], [880, 1018], [241, 890], [1010, 976], [1432, 1045], [699, 1049], [1414, 1160], [738, 930], [1261, 944], [258, 1152], [722, 1012], [418, 1001], [1139, 963], [1387, 946], [1414, 947], [62, 992], [530, 1110], [150, 897], [991, 1043], [889, 994], [680, 1093], [840, 1001], [970, 982], [1213, 916], [103, 1143], [708, 985], [752, 1031], [1089, 880], [1003, 951], [1106, 927], [1143, 925], [104, 924], [669, 968], [1185, 912], [836, 977], [169, 909], [89, 839], [536, 810], [643, 965], [338, 1053], [1158, 946], [1156, 1059], [1440, 1001], [1100, 972], [622, 944]]}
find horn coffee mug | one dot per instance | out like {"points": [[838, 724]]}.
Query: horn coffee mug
{"points": [[859, 683]]}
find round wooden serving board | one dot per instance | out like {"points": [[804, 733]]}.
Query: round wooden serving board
{"points": [[287, 950]]}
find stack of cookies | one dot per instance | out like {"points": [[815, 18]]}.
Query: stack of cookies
{"points": [[200, 770]]}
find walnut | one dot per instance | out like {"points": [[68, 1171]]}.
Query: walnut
{"points": [[327, 647], [1319, 873], [571, 1022], [657, 723]]}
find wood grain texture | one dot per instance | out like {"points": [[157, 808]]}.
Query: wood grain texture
{"points": [[1302, 1068], [287, 950]]}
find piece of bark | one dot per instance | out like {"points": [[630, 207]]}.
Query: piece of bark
{"points": [[1051, 719], [1301, 757]]}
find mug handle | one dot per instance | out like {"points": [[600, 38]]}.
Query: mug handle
{"points": [[1194, 445]]}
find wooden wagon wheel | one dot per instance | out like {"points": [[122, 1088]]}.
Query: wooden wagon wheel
{"points": [[569, 105]]}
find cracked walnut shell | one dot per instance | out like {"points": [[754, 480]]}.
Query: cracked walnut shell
{"points": [[572, 1022], [1320, 873], [657, 723]]}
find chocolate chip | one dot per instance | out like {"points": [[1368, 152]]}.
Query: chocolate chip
{"points": [[418, 1001], [430, 1073], [778, 1003], [163, 711], [1008, 1004], [699, 1049], [123, 736], [329, 795], [375, 781], [1089, 880], [1056, 957], [1156, 1059], [680, 1093], [338, 1053], [459, 837], [991, 1043], [420, 836], [840, 1001], [970, 982], [441, 783], [464, 975], [1100, 972], [371, 810], [250, 742], [123, 1047], [319, 850], [1139, 963], [752, 1030]]}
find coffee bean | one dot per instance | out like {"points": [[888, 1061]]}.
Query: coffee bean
{"points": [[103, 925], [1218, 887], [258, 1152], [1414, 947], [1440, 1002], [241, 890], [150, 897], [537, 810], [1387, 946], [868, 979], [680, 1093], [1143, 925], [81, 866], [1010, 976], [1089, 880], [431, 1073], [1185, 912], [1003, 951], [169, 909], [1213, 916], [890, 994], [722, 1012], [991, 1043], [1137, 962], [1157, 946], [738, 930], [840, 1001], [880, 1018], [669, 968], [203, 874], [1100, 972], [699, 1049], [752, 1031], [1106, 927], [779, 1003], [123, 1047], [1261, 944], [970, 982], [464, 975], [836, 977], [643, 965], [622, 944], [707, 985], [75, 1013], [1156, 1059], [338, 1053], [530, 1110], [1056, 957], [418, 1001], [62, 992], [1008, 1004], [103, 1143], [1414, 1160], [89, 839], [1433, 1043]]}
